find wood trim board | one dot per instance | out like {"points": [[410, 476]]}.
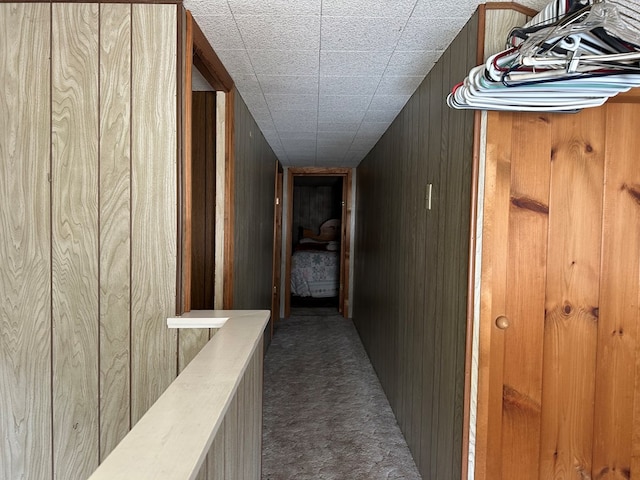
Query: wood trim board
{"points": [[345, 234]]}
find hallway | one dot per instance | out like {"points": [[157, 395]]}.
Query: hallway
{"points": [[325, 414]]}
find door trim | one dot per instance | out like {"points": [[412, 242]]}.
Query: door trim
{"points": [[345, 235]]}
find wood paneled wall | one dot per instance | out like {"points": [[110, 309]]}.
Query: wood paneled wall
{"points": [[558, 387], [236, 451], [411, 263], [203, 194], [313, 205], [87, 228], [253, 213]]}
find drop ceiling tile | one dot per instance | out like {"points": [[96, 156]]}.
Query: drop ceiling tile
{"points": [[255, 99], [293, 116], [262, 116], [211, 7], [341, 116], [275, 7], [293, 124], [301, 161], [291, 146], [247, 84], [379, 8], [331, 154], [291, 102], [280, 32], [334, 139], [236, 62], [306, 136], [392, 85], [221, 31], [445, 8], [292, 84], [284, 62], [364, 137], [332, 103], [412, 63], [347, 85], [361, 33], [351, 63], [338, 126], [353, 158], [425, 33], [390, 102], [373, 128], [380, 116], [364, 144]]}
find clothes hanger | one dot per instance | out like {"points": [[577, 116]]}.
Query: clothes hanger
{"points": [[573, 55]]}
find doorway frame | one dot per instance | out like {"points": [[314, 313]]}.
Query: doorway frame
{"points": [[199, 53], [345, 234]]}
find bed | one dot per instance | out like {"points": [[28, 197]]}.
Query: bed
{"points": [[315, 273]]}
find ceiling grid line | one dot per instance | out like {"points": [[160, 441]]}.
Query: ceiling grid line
{"points": [[324, 79]]}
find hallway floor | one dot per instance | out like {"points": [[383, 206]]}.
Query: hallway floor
{"points": [[325, 414]]}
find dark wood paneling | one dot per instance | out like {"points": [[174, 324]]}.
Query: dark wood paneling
{"points": [[253, 212], [203, 200], [411, 263]]}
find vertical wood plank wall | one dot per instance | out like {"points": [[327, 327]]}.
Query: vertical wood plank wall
{"points": [[561, 261], [253, 212], [87, 228], [75, 237], [236, 451], [411, 263], [115, 221], [25, 318]]}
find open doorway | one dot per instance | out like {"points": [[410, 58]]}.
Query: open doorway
{"points": [[203, 193], [317, 239]]}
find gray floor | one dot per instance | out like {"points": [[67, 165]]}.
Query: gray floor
{"points": [[325, 414]]}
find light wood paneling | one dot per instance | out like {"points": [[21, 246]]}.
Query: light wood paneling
{"points": [[572, 294], [115, 219], [220, 225], [616, 447], [411, 274], [154, 197], [25, 318], [524, 298], [75, 238], [558, 391]]}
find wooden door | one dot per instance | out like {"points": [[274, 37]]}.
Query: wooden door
{"points": [[559, 393]]}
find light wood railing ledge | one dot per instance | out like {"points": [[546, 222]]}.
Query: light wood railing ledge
{"points": [[208, 318], [172, 440]]}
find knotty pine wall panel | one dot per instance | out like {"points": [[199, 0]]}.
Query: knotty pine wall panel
{"points": [[75, 238], [411, 263], [115, 221], [25, 275], [253, 225], [154, 203], [558, 390]]}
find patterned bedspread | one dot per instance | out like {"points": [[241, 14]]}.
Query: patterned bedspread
{"points": [[315, 274]]}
